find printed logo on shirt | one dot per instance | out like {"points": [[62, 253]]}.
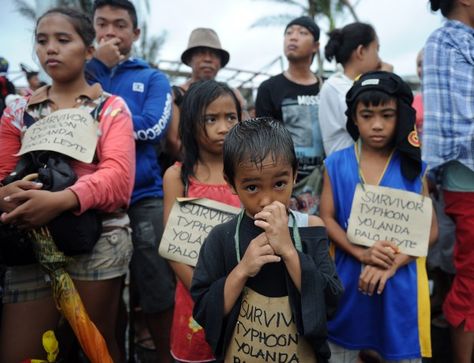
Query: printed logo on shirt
{"points": [[308, 100], [138, 87]]}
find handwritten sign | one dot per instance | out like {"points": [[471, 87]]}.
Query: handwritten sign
{"points": [[381, 213], [72, 132], [266, 332], [188, 225]]}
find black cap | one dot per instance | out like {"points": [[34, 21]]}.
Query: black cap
{"points": [[406, 138], [308, 23]]}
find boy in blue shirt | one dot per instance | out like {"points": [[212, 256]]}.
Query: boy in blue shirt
{"points": [[385, 306], [148, 95]]}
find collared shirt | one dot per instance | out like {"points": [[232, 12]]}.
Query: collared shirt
{"points": [[448, 95], [105, 184]]}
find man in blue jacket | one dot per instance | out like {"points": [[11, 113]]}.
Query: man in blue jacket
{"points": [[148, 95]]}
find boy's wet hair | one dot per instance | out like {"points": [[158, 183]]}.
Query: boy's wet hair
{"points": [[121, 4], [80, 21], [255, 139], [193, 108]]}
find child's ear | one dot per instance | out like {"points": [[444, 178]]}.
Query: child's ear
{"points": [[360, 50]]}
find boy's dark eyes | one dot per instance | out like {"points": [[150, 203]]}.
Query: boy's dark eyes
{"points": [[251, 188], [281, 184]]}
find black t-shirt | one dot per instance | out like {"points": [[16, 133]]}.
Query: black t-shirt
{"points": [[297, 106]]}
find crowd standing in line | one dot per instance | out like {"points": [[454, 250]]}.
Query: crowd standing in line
{"points": [[310, 145]]}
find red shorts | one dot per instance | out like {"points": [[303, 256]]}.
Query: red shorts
{"points": [[459, 304]]}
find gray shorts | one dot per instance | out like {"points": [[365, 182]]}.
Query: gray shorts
{"points": [[342, 355], [109, 259], [151, 273]]}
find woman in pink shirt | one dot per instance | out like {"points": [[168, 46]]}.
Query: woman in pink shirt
{"points": [[63, 43]]}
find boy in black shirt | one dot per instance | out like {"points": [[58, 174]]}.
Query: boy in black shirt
{"points": [[292, 97], [263, 291]]}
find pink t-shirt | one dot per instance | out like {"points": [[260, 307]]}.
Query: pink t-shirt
{"points": [[106, 184]]}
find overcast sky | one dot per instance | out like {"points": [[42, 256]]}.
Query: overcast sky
{"points": [[402, 27]]}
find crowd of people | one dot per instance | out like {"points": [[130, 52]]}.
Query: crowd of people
{"points": [[282, 280]]}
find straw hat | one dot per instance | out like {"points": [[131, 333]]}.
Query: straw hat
{"points": [[204, 37]]}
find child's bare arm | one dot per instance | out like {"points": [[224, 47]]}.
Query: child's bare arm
{"points": [[380, 254], [258, 253], [273, 219], [173, 188]]}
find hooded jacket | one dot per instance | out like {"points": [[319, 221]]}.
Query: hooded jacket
{"points": [[147, 93]]}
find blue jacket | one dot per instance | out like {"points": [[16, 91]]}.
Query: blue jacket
{"points": [[148, 96]]}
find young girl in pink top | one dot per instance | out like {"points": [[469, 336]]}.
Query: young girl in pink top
{"points": [[209, 110], [63, 44]]}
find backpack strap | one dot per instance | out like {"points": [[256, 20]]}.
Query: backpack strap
{"points": [[96, 113]]}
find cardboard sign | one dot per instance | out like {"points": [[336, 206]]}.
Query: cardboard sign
{"points": [[386, 214], [189, 223], [72, 132], [266, 332]]}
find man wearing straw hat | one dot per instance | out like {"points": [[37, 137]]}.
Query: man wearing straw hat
{"points": [[206, 57]]}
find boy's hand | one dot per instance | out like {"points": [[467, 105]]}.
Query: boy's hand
{"points": [[381, 254], [258, 253], [108, 52], [273, 219], [373, 277], [6, 204]]}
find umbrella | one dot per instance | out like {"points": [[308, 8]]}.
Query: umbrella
{"points": [[67, 298]]}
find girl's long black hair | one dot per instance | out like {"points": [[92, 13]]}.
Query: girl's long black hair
{"points": [[193, 109]]}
